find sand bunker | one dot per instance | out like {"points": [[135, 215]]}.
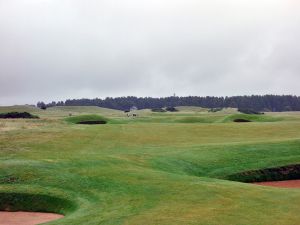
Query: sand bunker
{"points": [[92, 122], [241, 121], [282, 184], [283, 173], [27, 218]]}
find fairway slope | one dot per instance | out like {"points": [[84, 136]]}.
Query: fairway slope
{"points": [[150, 170]]}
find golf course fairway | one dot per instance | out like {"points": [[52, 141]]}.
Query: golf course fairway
{"points": [[179, 168]]}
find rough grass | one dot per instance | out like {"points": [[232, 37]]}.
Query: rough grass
{"points": [[151, 170], [63, 111], [78, 110]]}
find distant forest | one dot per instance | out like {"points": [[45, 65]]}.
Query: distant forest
{"points": [[275, 103]]}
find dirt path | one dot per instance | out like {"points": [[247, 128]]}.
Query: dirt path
{"points": [[282, 184], [26, 218]]}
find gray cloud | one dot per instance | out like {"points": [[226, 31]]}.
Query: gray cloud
{"points": [[58, 49]]}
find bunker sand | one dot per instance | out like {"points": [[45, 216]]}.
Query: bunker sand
{"points": [[282, 184], [27, 218]]}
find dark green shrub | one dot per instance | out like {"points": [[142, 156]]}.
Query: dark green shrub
{"points": [[15, 115]]}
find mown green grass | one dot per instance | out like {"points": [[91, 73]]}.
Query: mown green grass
{"points": [[150, 170]]}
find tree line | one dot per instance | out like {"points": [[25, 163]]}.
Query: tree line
{"points": [[275, 103]]}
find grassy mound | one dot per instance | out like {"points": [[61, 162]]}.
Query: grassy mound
{"points": [[197, 119], [20, 108], [249, 111], [158, 110], [17, 115], [84, 110], [34, 203], [87, 119]]}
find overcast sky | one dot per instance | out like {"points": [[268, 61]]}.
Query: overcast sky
{"points": [[59, 49]]}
